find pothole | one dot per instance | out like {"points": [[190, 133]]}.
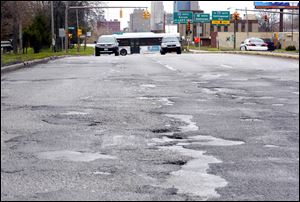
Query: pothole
{"points": [[178, 162], [250, 119], [148, 85], [193, 177], [66, 155], [161, 130]]}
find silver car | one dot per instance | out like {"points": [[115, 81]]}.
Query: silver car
{"points": [[254, 44], [170, 44]]}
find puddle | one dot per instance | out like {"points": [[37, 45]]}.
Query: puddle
{"points": [[187, 119], [277, 105], [66, 155], [148, 85], [193, 178], [166, 101], [101, 173], [212, 76], [271, 146], [249, 119], [145, 98], [249, 103], [74, 113], [210, 140]]}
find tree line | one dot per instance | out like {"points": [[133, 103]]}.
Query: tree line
{"points": [[28, 23]]}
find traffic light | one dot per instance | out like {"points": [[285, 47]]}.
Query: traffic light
{"points": [[188, 26], [121, 13], [266, 19], [235, 16], [79, 32], [146, 14]]}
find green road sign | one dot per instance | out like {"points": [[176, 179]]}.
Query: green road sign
{"points": [[183, 17], [220, 18], [201, 17], [71, 27]]}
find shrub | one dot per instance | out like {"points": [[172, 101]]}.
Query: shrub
{"points": [[290, 48]]}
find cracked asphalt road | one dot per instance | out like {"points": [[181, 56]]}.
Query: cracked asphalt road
{"points": [[151, 127]]}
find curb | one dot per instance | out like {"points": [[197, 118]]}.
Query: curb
{"points": [[30, 63], [249, 53]]}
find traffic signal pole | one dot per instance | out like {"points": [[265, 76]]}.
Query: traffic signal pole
{"points": [[234, 34], [86, 7]]}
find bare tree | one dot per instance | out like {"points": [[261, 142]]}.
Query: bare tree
{"points": [[291, 21], [271, 25]]}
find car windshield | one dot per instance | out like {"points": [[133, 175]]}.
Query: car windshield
{"points": [[255, 40], [169, 39], [106, 40]]}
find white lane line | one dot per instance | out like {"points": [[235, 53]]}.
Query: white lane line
{"points": [[226, 66], [170, 68], [166, 66]]}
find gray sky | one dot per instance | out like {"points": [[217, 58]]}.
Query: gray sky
{"points": [[207, 6]]}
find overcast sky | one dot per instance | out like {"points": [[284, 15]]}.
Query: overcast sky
{"points": [[207, 6]]}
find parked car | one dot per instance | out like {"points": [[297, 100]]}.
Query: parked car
{"points": [[170, 44], [255, 44], [6, 46], [270, 43], [106, 44]]}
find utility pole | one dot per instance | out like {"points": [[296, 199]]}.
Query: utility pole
{"points": [[247, 23], [292, 26], [52, 28], [78, 37], [66, 28]]}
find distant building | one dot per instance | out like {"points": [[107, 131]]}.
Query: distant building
{"points": [[185, 5], [157, 16], [169, 18], [137, 23], [108, 27]]}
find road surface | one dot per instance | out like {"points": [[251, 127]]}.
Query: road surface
{"points": [[151, 127]]}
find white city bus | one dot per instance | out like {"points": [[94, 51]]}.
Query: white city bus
{"points": [[141, 42]]}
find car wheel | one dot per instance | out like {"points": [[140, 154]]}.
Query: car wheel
{"points": [[117, 53], [97, 53], [243, 48], [162, 53], [123, 52]]}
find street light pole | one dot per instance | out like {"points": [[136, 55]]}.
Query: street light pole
{"points": [[247, 23], [52, 28]]}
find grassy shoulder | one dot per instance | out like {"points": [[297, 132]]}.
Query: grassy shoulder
{"points": [[204, 48], [11, 58], [285, 51]]}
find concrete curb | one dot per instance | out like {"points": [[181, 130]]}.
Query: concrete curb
{"points": [[249, 53], [30, 63]]}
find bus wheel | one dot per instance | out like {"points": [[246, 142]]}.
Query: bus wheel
{"points": [[123, 52]]}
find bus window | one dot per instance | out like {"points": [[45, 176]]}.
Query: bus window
{"points": [[123, 42]]}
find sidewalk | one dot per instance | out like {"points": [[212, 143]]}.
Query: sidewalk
{"points": [[284, 55]]}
